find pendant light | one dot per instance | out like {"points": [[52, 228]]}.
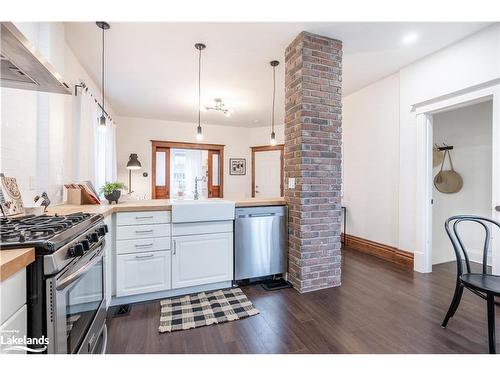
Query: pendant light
{"points": [[199, 133], [274, 64], [102, 120]]}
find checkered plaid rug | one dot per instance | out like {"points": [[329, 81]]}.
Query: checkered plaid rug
{"points": [[204, 309]]}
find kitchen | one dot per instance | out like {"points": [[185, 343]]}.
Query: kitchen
{"points": [[95, 255], [184, 188]]}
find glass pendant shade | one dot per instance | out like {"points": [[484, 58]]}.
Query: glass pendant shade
{"points": [[102, 123], [273, 139], [199, 133]]}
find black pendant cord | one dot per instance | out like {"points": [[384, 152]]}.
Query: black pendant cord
{"points": [[274, 94], [199, 87], [102, 78]]}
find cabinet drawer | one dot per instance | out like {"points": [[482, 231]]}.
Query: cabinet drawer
{"points": [[15, 327], [143, 245], [184, 229], [138, 218], [12, 294], [134, 232], [143, 273]]}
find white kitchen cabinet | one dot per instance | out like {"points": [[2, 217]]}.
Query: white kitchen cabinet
{"points": [[141, 273], [13, 310], [14, 327], [109, 251], [202, 259], [12, 294]]}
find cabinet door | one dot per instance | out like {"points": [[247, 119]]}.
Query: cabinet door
{"points": [[14, 327], [143, 273], [202, 259]]}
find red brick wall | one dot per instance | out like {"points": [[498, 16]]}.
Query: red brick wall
{"points": [[313, 129]]}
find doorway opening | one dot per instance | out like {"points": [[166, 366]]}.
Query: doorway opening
{"points": [[268, 171], [468, 132], [426, 112], [181, 170]]}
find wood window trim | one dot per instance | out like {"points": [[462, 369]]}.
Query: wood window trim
{"points": [[155, 144], [156, 148], [281, 148]]}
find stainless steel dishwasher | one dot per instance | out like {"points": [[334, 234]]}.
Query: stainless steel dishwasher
{"points": [[261, 242]]}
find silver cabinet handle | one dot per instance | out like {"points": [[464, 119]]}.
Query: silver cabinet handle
{"points": [[143, 217], [144, 231], [144, 244], [175, 247], [144, 256]]}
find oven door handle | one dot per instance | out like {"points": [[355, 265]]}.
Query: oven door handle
{"points": [[63, 283]]}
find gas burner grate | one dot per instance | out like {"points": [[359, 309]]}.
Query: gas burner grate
{"points": [[34, 228]]}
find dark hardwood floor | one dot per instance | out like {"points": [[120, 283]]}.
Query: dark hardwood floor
{"points": [[379, 308]]}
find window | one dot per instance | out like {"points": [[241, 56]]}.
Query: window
{"points": [[180, 167]]}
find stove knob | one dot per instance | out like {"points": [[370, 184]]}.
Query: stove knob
{"points": [[106, 228], [102, 231], [76, 250], [94, 237], [85, 244]]}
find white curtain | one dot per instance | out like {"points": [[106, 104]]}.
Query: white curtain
{"points": [[106, 155], [185, 166], [86, 133], [193, 170], [95, 150]]}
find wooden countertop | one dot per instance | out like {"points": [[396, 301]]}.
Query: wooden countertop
{"points": [[149, 205], [12, 261]]}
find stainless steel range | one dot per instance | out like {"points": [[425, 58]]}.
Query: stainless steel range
{"points": [[66, 296]]}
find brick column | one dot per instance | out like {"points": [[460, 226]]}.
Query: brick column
{"points": [[313, 130]]}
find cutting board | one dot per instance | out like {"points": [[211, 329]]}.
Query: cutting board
{"points": [[10, 196]]}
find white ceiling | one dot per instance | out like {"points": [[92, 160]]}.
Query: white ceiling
{"points": [[151, 68]]}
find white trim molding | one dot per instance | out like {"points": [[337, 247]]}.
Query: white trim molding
{"points": [[423, 204]]}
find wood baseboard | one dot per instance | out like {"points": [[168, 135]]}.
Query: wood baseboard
{"points": [[385, 252]]}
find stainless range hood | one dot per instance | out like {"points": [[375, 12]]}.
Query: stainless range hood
{"points": [[22, 67]]}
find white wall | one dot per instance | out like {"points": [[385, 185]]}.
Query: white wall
{"points": [[371, 161], [370, 112], [134, 135], [38, 144], [469, 130], [470, 62]]}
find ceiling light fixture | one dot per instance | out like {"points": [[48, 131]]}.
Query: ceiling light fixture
{"points": [[274, 64], [102, 120], [220, 106], [199, 131], [409, 38]]}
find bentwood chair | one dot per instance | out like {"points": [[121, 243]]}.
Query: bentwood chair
{"points": [[484, 285]]}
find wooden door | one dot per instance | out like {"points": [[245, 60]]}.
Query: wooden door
{"points": [[161, 173], [267, 171], [214, 174]]}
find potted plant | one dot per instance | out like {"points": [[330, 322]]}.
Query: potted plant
{"points": [[112, 191]]}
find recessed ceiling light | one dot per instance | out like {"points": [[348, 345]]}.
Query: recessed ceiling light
{"points": [[409, 38]]}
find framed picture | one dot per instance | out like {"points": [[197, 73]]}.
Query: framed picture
{"points": [[238, 167]]}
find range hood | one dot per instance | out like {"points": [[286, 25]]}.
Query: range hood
{"points": [[22, 67]]}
